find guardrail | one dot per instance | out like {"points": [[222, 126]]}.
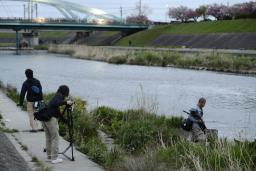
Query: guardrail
{"points": [[61, 21]]}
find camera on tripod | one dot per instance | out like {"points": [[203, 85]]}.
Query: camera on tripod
{"points": [[70, 104]]}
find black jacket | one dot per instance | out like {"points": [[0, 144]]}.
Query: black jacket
{"points": [[26, 88], [54, 105]]}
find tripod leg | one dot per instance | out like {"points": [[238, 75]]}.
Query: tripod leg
{"points": [[70, 125], [72, 153]]}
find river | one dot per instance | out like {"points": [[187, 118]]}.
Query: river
{"points": [[231, 99]]}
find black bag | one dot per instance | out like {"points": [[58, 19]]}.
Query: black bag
{"points": [[187, 124], [42, 114]]}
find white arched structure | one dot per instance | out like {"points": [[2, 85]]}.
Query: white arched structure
{"points": [[67, 8]]}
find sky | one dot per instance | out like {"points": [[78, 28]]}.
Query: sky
{"points": [[157, 8]]}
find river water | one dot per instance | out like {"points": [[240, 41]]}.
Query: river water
{"points": [[231, 99]]}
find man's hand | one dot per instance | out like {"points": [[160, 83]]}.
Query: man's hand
{"points": [[200, 121]]}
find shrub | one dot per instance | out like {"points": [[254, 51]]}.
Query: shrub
{"points": [[133, 136], [170, 58], [104, 115], [114, 156], [218, 155], [137, 59], [153, 58], [95, 149], [118, 60]]}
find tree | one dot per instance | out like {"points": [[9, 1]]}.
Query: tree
{"points": [[191, 14], [244, 10], [137, 19], [201, 11], [140, 15], [179, 13], [220, 12], [183, 13]]}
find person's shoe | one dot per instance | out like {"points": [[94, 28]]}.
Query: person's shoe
{"points": [[33, 131], [48, 160], [41, 130], [58, 160]]}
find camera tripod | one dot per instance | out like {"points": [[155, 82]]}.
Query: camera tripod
{"points": [[69, 109]]}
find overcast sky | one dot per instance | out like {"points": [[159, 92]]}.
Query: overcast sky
{"points": [[158, 8]]}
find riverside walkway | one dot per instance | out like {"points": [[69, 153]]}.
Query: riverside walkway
{"points": [[15, 118]]}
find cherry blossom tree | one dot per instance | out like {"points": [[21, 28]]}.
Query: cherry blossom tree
{"points": [[137, 19], [220, 12], [191, 14], [202, 11]]}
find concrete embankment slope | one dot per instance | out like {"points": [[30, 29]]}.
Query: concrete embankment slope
{"points": [[35, 142], [223, 34], [214, 40]]}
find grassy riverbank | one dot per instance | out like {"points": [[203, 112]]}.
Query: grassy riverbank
{"points": [[212, 61], [146, 141], [143, 38]]}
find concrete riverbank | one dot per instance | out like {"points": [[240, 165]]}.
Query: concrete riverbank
{"points": [[35, 142], [220, 60]]}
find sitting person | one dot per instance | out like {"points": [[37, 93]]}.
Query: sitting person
{"points": [[198, 126]]}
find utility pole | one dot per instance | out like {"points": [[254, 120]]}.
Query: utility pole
{"points": [[121, 13], [28, 9], [140, 6], [24, 7], [36, 10], [32, 10]]}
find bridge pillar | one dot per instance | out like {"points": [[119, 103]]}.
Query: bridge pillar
{"points": [[17, 41], [31, 38]]}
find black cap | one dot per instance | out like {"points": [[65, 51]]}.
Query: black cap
{"points": [[64, 90], [29, 73]]}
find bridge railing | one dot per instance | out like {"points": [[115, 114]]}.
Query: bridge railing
{"points": [[59, 21]]}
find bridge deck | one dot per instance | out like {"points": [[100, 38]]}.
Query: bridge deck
{"points": [[71, 26]]}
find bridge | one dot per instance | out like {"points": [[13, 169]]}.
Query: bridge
{"points": [[59, 25], [93, 19], [67, 9]]}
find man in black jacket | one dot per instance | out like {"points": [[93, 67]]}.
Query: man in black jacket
{"points": [[33, 90], [51, 127]]}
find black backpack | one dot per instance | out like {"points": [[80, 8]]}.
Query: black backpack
{"points": [[187, 124], [42, 113]]}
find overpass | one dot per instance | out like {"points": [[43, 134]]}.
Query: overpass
{"points": [[19, 25], [93, 19]]}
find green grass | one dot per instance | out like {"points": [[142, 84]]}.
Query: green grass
{"points": [[7, 35], [147, 141], [7, 44], [210, 61], [41, 47], [24, 147], [40, 165], [229, 26], [134, 129], [43, 34]]}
